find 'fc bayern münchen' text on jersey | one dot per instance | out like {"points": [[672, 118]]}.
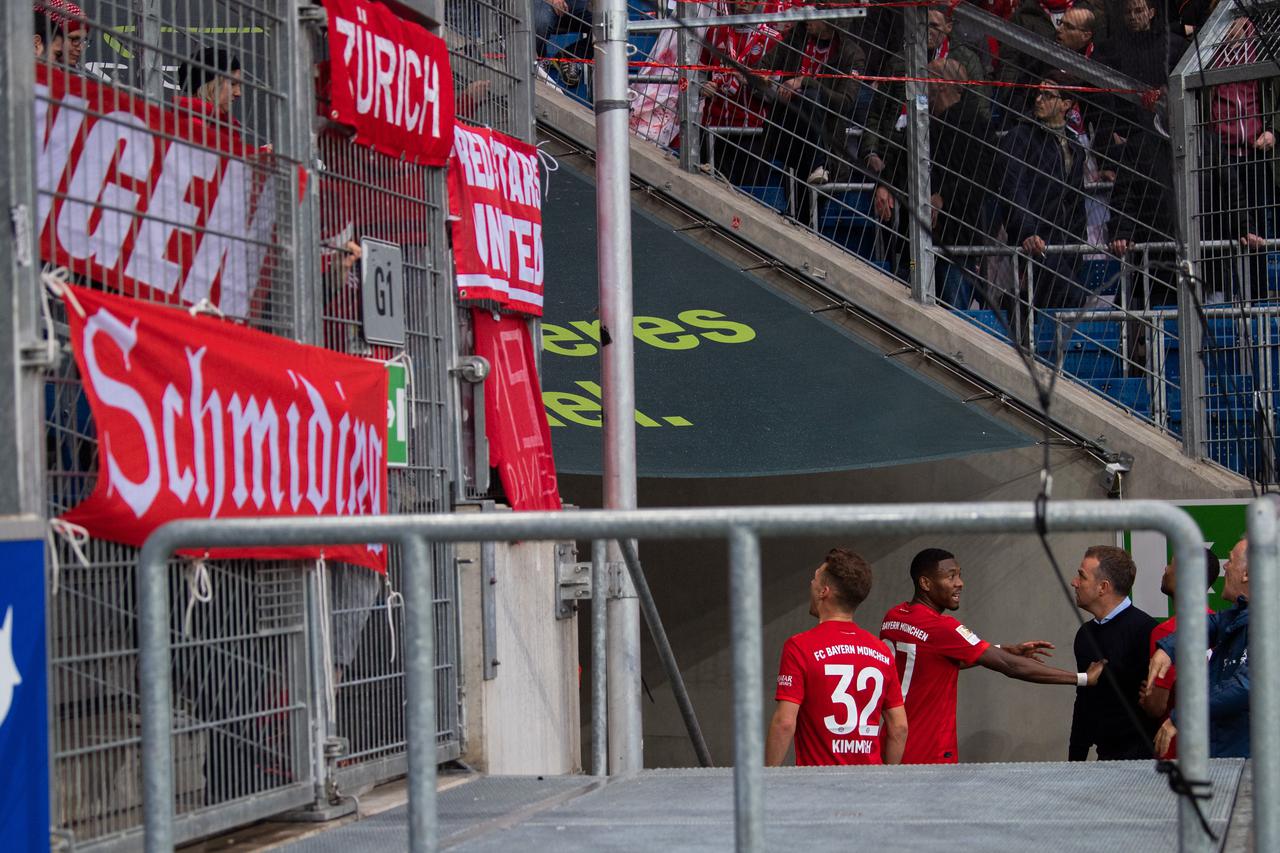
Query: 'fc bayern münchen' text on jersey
{"points": [[842, 678], [930, 650]]}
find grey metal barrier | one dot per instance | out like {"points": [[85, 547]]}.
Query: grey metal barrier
{"points": [[743, 528]]}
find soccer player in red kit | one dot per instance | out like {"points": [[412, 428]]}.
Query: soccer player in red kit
{"points": [[838, 694], [931, 648]]}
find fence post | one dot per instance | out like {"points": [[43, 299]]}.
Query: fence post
{"points": [[522, 61], [295, 61], [149, 74], [22, 353], [689, 49], [1182, 136], [1264, 699], [420, 690], [746, 636], [919, 207]]}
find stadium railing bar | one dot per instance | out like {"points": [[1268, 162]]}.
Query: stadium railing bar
{"points": [[743, 529]]}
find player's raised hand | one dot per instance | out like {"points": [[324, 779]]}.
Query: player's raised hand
{"points": [[1034, 649], [1160, 663], [1094, 672]]}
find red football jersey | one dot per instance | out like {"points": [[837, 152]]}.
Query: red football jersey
{"points": [[1170, 678], [931, 649], [842, 677]]}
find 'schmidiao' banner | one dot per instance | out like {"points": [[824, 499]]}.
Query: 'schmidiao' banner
{"points": [[495, 203], [202, 418], [390, 81], [158, 203]]}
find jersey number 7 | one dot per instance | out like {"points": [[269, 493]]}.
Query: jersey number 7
{"points": [[841, 696], [909, 652]]}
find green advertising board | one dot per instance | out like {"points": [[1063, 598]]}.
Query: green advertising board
{"points": [[397, 416], [1223, 524]]}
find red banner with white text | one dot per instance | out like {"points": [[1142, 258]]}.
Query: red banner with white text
{"points": [[167, 204], [495, 204], [390, 80], [515, 419], [203, 418]]}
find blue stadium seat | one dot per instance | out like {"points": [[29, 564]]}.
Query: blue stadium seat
{"points": [[1093, 352], [844, 218], [1132, 393], [771, 194]]}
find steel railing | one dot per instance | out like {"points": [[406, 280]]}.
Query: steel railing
{"points": [[743, 529]]}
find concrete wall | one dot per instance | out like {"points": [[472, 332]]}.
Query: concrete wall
{"points": [[1011, 594], [525, 720]]}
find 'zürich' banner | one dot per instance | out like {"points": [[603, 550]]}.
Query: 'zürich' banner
{"points": [[495, 204], [390, 81], [202, 418]]}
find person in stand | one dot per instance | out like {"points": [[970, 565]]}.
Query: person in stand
{"points": [[1228, 667], [1043, 192], [1110, 718], [931, 648], [1157, 697], [65, 40], [838, 694]]}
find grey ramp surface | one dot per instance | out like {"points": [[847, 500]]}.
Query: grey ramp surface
{"points": [[988, 807], [486, 802]]}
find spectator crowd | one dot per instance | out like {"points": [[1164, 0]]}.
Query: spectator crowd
{"points": [[1023, 154]]}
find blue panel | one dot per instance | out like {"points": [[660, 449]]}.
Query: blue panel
{"points": [[24, 710]]}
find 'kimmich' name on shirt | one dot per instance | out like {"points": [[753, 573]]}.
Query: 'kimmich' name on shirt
{"points": [[847, 649]]}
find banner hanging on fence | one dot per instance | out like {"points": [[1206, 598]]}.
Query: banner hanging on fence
{"points": [[390, 80], [515, 421], [495, 204], [202, 418], [158, 203]]}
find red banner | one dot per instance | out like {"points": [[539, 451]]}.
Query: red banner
{"points": [[495, 202], [514, 417], [203, 418], [390, 80], [161, 203]]}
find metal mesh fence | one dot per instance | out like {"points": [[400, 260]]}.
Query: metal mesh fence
{"points": [[1037, 203], [365, 194], [159, 175], [1232, 125]]}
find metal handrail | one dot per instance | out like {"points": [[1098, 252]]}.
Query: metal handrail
{"points": [[743, 527], [1089, 248]]}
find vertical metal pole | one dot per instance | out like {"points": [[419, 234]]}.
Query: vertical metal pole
{"points": [[297, 141], [150, 73], [522, 57], [599, 671], [746, 635], [613, 218], [156, 697], [689, 98], [420, 690], [21, 350], [1193, 688], [1182, 111], [919, 232], [321, 711], [1264, 693]]}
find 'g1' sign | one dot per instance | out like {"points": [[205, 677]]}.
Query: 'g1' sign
{"points": [[382, 292]]}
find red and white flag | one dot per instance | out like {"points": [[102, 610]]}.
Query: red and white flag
{"points": [[390, 80], [495, 204], [203, 418], [158, 203]]}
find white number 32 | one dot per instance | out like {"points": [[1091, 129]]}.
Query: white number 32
{"points": [[841, 696]]}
